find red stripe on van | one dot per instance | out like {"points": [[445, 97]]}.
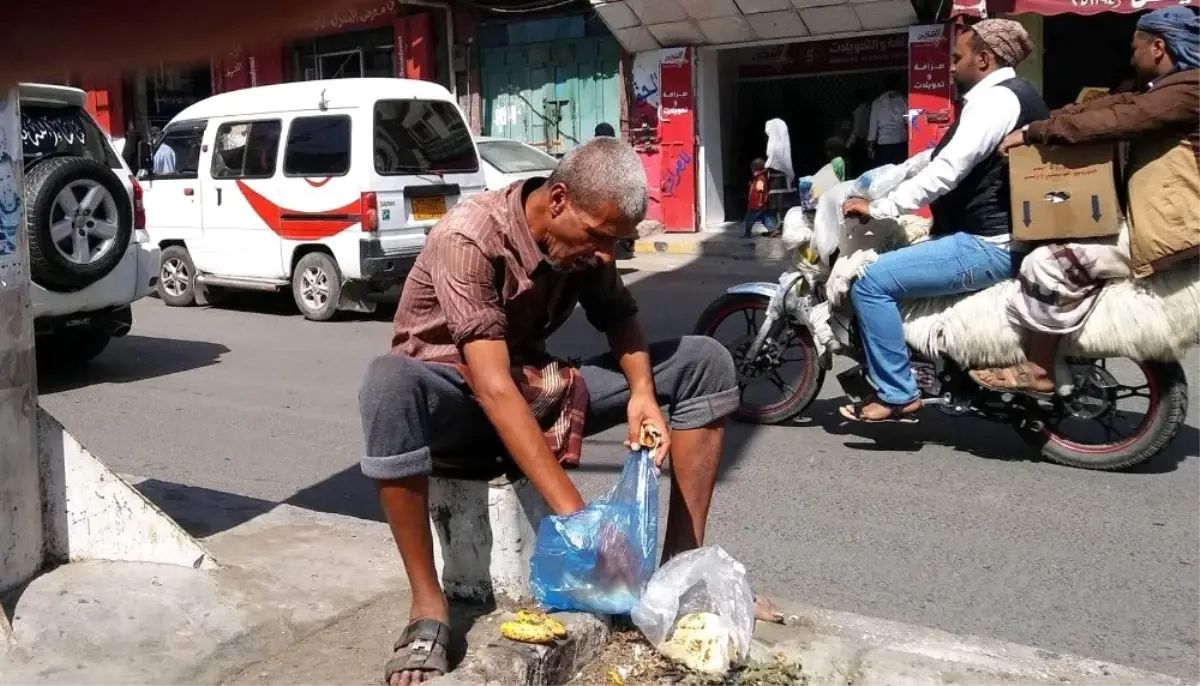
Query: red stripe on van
{"points": [[295, 225]]}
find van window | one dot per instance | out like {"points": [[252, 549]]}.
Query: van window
{"points": [[177, 155], [420, 137], [63, 130], [246, 150], [318, 146]]}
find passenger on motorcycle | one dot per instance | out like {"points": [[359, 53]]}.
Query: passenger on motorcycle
{"points": [[1061, 282], [966, 186]]}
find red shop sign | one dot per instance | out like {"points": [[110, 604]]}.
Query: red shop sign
{"points": [[816, 57]]}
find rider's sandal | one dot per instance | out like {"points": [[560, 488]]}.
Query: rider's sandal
{"points": [[1016, 379], [896, 414], [422, 648]]}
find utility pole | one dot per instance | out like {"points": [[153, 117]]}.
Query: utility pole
{"points": [[21, 530]]}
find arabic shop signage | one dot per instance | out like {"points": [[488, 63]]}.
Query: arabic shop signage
{"points": [[819, 57], [361, 17]]}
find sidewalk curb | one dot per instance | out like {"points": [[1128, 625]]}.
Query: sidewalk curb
{"points": [[500, 661], [840, 647], [712, 245]]}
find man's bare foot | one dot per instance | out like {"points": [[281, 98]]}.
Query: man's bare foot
{"points": [[420, 655], [765, 611], [1022, 378]]}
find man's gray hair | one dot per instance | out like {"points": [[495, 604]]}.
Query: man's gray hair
{"points": [[604, 170]]}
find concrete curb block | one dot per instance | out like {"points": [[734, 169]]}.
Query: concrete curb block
{"points": [[847, 648], [713, 245], [495, 660]]}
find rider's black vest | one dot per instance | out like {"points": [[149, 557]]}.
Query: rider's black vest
{"points": [[980, 205]]}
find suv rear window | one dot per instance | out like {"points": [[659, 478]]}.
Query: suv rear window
{"points": [[512, 157], [63, 130], [422, 137]]}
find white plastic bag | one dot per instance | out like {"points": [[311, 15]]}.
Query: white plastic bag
{"points": [[706, 580]]}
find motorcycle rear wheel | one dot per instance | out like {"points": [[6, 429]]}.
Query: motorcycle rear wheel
{"points": [[812, 378], [1167, 393]]}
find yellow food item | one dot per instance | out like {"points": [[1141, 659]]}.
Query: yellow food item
{"points": [[533, 627], [615, 677], [527, 633]]}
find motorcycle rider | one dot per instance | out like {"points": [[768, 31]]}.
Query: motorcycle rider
{"points": [[966, 186], [1060, 282]]}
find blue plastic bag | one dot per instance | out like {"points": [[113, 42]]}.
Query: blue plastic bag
{"points": [[601, 558]]}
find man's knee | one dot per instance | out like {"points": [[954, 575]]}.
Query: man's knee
{"points": [[388, 377], [712, 367]]}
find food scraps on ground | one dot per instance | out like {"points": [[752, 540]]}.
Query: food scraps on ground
{"points": [[533, 627], [702, 641]]}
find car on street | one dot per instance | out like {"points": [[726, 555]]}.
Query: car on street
{"points": [[505, 161], [89, 254]]}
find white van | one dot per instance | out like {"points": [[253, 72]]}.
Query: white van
{"points": [[328, 187]]}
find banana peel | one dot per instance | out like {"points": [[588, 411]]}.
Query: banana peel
{"points": [[533, 627]]}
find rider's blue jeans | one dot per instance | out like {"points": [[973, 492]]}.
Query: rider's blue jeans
{"points": [[959, 263]]}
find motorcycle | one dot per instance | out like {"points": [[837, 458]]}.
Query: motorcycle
{"points": [[794, 321]]}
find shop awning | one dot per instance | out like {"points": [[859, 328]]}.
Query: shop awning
{"points": [[642, 25], [986, 8]]}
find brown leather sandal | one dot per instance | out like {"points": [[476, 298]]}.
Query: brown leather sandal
{"points": [[1016, 379], [421, 648]]}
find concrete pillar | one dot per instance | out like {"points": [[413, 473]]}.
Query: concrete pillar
{"points": [[487, 531], [21, 538]]}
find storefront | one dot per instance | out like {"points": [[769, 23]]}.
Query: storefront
{"points": [[549, 81], [698, 112], [385, 39]]}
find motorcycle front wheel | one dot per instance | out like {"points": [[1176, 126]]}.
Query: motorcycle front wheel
{"points": [[1099, 405], [787, 364]]}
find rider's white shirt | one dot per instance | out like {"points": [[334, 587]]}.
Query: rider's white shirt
{"points": [[989, 113]]}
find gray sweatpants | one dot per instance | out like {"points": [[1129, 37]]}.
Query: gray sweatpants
{"points": [[413, 411]]}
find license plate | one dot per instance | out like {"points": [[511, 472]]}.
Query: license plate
{"points": [[426, 209]]}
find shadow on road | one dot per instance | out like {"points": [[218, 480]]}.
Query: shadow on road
{"points": [[969, 435], [129, 359], [203, 512]]}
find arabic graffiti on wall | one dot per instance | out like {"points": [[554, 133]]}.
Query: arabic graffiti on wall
{"points": [[675, 173], [645, 87], [11, 215]]}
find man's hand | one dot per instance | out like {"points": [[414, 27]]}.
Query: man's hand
{"points": [[871, 150], [493, 385], [643, 411], [1013, 140], [857, 208]]}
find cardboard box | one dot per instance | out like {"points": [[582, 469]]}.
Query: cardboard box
{"points": [[1061, 193]]}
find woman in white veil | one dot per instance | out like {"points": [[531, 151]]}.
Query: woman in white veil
{"points": [[780, 174]]}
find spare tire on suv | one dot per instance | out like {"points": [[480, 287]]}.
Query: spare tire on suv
{"points": [[80, 222]]}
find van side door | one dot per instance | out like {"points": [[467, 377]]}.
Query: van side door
{"points": [[241, 219], [171, 187]]}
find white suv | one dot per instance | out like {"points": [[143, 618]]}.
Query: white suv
{"points": [[89, 253]]}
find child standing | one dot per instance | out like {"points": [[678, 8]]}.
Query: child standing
{"points": [[757, 207]]}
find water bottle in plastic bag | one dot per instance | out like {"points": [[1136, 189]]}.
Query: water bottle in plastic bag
{"points": [[600, 558]]}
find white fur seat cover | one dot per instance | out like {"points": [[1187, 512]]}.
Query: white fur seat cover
{"points": [[1156, 318]]}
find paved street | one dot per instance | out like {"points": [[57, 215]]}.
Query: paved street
{"points": [[945, 525]]}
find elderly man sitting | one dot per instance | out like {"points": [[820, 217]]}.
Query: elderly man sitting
{"points": [[469, 376], [1061, 281]]}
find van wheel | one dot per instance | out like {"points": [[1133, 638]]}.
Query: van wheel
{"points": [[317, 286], [176, 277]]}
